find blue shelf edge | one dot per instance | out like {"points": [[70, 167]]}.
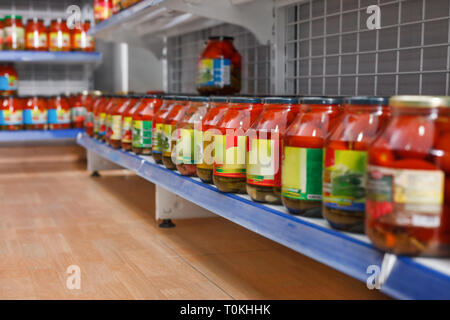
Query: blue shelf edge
{"points": [[409, 279], [53, 57], [39, 135]]}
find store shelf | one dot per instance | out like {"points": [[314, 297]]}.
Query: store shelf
{"points": [[146, 23], [51, 57], [409, 278], [39, 135]]}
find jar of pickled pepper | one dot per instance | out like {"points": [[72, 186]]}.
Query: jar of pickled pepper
{"points": [[78, 109], [345, 161], [91, 101], [217, 108], [117, 99], [35, 113], [175, 114], [8, 80], [302, 165], [142, 124], [127, 123], [59, 36], [115, 138], [11, 113], [36, 36], [219, 68], [265, 148], [58, 113], [158, 139], [188, 144], [81, 41], [114, 120], [14, 33], [96, 110], [408, 190], [230, 146]]}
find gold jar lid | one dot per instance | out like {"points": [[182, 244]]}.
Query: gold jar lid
{"points": [[419, 101]]}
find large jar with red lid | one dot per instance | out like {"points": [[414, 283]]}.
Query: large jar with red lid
{"points": [[97, 108], [265, 143], [102, 10], [81, 41], [115, 139], [113, 122], [11, 113], [158, 139], [127, 123], [78, 109], [230, 146], [142, 124], [188, 144], [175, 114], [408, 187], [8, 80], [345, 161], [59, 36], [14, 33], [302, 165], [59, 113], [219, 68], [35, 115], [217, 108], [36, 37]]}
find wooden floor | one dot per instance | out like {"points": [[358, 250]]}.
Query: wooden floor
{"points": [[53, 215]]}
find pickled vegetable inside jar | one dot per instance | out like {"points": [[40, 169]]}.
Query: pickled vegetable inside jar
{"points": [[115, 135], [58, 113], [118, 99], [230, 145], [188, 144], [11, 113], [8, 80], [175, 114], [35, 113], [265, 147], [302, 164], [36, 36], [142, 124], [218, 107], [408, 193], [14, 33], [345, 161], [219, 68], [158, 139], [127, 123], [59, 36]]}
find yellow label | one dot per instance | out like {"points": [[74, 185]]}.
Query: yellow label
{"points": [[205, 145], [116, 127], [168, 145]]}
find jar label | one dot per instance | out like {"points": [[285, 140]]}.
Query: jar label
{"points": [[38, 116], [116, 127], [344, 179], [59, 40], [8, 83], [8, 117], [15, 37], [58, 116], [302, 173], [78, 114], [27, 116], [187, 145], [229, 156], [405, 197], [167, 136], [214, 73], [142, 134], [158, 141], [127, 134], [262, 164], [205, 147], [80, 41], [36, 40]]}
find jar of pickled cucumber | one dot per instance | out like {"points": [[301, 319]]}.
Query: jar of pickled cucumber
{"points": [[174, 115], [408, 190], [229, 170], [302, 165], [117, 115], [218, 107], [345, 161], [158, 139], [265, 148], [189, 143]]}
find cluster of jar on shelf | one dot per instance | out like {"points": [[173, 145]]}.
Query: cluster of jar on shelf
{"points": [[44, 112], [104, 9], [35, 36], [366, 164]]}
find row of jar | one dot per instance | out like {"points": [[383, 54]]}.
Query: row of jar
{"points": [[37, 37], [366, 164], [42, 112]]}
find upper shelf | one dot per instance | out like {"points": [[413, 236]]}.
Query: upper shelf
{"points": [[51, 57], [354, 255], [146, 23]]}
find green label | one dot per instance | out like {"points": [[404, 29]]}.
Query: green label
{"points": [[158, 142], [142, 134], [302, 173], [167, 139]]}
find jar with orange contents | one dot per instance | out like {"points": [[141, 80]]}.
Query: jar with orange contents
{"points": [[158, 138], [36, 36], [14, 33], [218, 107], [302, 166], [97, 108], [408, 194], [11, 113], [113, 123], [105, 116], [81, 41], [2, 22], [90, 101], [127, 123], [35, 113], [345, 161], [58, 113], [102, 10], [8, 80], [115, 139], [230, 146], [59, 36]]}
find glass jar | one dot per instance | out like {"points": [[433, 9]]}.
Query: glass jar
{"points": [[408, 189], [127, 124], [14, 33], [219, 68], [97, 109], [175, 114], [301, 190], [229, 169], [142, 124], [265, 149], [102, 10], [81, 41], [2, 22], [188, 144], [91, 99], [104, 117], [345, 161], [35, 115], [78, 109], [114, 120], [36, 36], [58, 113], [8, 80], [11, 113], [59, 36], [158, 139], [217, 108]]}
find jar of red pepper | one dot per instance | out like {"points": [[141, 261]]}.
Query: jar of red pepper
{"points": [[8, 80], [117, 113], [59, 36], [81, 41], [36, 36], [35, 113], [58, 113], [14, 33], [11, 113]]}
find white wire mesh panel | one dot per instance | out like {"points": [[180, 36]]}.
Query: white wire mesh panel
{"points": [[184, 50], [330, 50]]}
